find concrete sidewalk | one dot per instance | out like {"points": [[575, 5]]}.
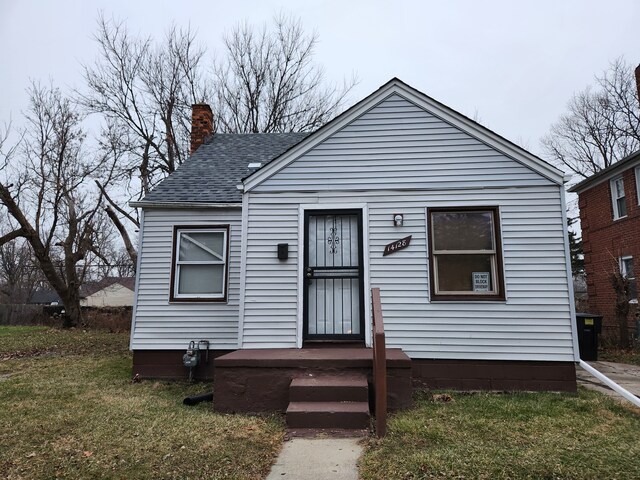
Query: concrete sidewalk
{"points": [[318, 459], [627, 376]]}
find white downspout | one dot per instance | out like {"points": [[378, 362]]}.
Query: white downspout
{"points": [[567, 259], [610, 383]]}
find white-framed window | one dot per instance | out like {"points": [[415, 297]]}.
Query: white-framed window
{"points": [[200, 263], [626, 270], [618, 198], [465, 260], [637, 170]]}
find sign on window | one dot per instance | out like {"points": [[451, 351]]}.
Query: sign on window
{"points": [[480, 281]]}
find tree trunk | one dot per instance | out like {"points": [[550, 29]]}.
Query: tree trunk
{"points": [[72, 311]]}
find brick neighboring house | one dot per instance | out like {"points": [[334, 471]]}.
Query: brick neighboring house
{"points": [[609, 204]]}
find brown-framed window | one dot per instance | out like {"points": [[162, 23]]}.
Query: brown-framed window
{"points": [[465, 254], [200, 263]]}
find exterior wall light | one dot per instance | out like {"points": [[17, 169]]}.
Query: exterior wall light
{"points": [[398, 219]]}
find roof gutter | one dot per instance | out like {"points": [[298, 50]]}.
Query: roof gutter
{"points": [[143, 204], [611, 384]]}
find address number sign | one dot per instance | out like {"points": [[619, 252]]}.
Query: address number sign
{"points": [[393, 247]]}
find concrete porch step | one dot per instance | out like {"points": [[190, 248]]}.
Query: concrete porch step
{"points": [[344, 415], [329, 388]]}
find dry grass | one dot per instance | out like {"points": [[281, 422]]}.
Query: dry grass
{"points": [[516, 436], [631, 356], [70, 411]]}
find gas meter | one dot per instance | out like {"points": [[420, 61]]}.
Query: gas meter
{"points": [[192, 355], [191, 358]]}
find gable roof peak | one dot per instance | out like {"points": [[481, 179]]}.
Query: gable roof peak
{"points": [[427, 103]]}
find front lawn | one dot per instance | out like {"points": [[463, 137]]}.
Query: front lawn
{"points": [[68, 410], [516, 436]]}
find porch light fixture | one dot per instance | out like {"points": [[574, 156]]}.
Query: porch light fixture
{"points": [[398, 219]]}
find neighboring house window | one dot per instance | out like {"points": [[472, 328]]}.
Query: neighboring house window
{"points": [[638, 183], [465, 260], [626, 270], [618, 199], [200, 263]]}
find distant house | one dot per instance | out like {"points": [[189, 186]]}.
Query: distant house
{"points": [[44, 297], [109, 292], [609, 204], [44, 301]]}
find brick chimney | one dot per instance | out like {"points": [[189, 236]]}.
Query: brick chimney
{"points": [[638, 81], [201, 124]]}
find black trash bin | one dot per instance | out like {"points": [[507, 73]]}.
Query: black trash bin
{"points": [[589, 327]]}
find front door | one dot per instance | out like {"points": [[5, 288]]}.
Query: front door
{"points": [[333, 275]]}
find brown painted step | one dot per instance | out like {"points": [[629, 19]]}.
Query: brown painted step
{"points": [[347, 415], [347, 388]]}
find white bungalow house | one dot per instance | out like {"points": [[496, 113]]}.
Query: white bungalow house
{"points": [[268, 245], [109, 292]]}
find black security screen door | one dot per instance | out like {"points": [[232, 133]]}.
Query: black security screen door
{"points": [[333, 276]]}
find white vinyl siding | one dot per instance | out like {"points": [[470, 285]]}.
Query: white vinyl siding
{"points": [[399, 144], [163, 325], [534, 323], [398, 158]]}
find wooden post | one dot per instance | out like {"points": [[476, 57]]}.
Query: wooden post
{"points": [[379, 364]]}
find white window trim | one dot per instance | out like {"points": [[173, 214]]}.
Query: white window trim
{"points": [[177, 263], [637, 172], [614, 199], [624, 273]]}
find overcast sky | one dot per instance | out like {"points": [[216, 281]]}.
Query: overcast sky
{"points": [[514, 64]]}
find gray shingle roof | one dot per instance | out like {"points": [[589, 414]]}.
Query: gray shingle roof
{"points": [[44, 297], [211, 174]]}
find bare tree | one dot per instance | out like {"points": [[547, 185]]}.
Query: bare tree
{"points": [[45, 188], [268, 81], [119, 263], [601, 126], [144, 91], [122, 265], [621, 286], [19, 275]]}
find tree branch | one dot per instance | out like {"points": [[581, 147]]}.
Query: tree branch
{"points": [[128, 245], [12, 236], [114, 205]]}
